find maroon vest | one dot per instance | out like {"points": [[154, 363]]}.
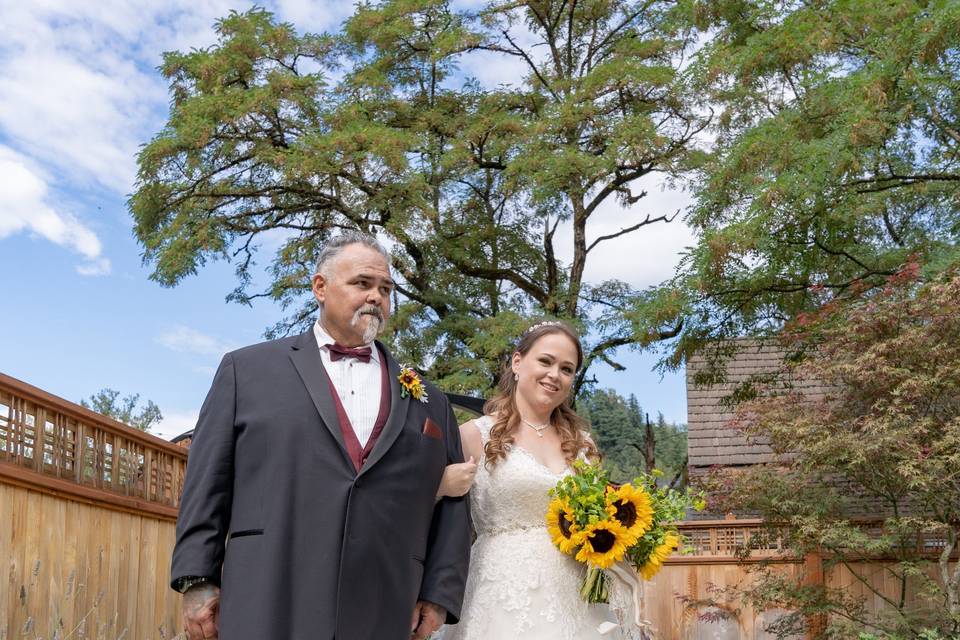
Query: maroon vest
{"points": [[357, 453]]}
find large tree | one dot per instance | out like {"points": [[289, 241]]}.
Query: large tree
{"points": [[377, 127], [883, 444], [836, 157]]}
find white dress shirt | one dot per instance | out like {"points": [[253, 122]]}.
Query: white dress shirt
{"points": [[357, 383]]}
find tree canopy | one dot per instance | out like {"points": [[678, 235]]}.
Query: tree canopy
{"points": [[109, 403], [379, 127], [836, 159]]}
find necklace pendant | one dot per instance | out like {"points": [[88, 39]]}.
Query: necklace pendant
{"points": [[539, 434]]}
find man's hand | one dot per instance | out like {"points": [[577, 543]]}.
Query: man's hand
{"points": [[201, 612], [457, 479], [427, 618]]}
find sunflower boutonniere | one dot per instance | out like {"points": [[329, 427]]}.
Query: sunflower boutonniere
{"points": [[411, 384]]}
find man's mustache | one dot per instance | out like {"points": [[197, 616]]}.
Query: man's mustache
{"points": [[370, 310]]}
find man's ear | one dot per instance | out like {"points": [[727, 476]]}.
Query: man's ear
{"points": [[318, 284]]}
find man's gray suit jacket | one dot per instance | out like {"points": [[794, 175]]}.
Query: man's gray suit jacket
{"points": [[306, 548]]}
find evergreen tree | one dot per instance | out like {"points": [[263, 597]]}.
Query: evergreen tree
{"points": [[619, 428]]}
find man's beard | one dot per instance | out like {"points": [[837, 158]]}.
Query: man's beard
{"points": [[374, 323]]}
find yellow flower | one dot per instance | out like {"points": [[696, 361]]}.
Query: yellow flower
{"points": [[604, 543], [659, 554], [633, 509], [412, 384], [560, 524]]}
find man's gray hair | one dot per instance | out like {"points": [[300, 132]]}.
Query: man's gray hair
{"points": [[336, 244]]}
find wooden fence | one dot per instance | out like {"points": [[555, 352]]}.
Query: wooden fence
{"points": [[88, 509], [678, 604], [673, 600]]}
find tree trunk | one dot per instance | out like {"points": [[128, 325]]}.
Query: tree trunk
{"points": [[651, 442], [951, 580]]}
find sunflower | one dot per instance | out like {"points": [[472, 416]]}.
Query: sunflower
{"points": [[411, 384], [560, 524], [632, 509], [604, 543], [660, 553]]}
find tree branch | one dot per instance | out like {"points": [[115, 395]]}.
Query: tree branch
{"points": [[626, 230]]}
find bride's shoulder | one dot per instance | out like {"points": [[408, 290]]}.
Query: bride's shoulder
{"points": [[479, 426], [474, 434], [482, 422]]}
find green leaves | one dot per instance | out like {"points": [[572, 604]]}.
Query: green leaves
{"points": [[109, 403], [468, 182], [836, 156]]}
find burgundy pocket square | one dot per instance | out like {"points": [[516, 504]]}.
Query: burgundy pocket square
{"points": [[432, 430]]}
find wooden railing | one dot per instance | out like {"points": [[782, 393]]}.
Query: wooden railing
{"points": [[719, 541], [60, 447], [724, 540]]}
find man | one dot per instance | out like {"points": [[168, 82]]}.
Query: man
{"points": [[308, 509]]}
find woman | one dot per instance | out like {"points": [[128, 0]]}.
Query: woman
{"points": [[520, 585]]}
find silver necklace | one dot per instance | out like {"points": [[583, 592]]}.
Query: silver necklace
{"points": [[536, 427]]}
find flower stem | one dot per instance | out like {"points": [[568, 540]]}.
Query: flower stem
{"points": [[594, 588]]}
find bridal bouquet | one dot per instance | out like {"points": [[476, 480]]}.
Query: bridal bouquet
{"points": [[603, 524]]}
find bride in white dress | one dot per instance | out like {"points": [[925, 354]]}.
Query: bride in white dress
{"points": [[520, 585]]}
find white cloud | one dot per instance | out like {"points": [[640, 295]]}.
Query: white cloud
{"points": [[81, 93], [25, 207], [174, 424], [494, 70], [79, 80], [187, 340], [99, 267]]}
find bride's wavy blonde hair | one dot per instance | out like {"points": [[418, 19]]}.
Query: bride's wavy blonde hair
{"points": [[502, 406]]}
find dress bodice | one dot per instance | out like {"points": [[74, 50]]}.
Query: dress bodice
{"points": [[512, 495]]}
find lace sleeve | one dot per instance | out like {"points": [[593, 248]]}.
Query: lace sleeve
{"points": [[483, 424]]}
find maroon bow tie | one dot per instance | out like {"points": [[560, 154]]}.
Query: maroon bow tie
{"points": [[339, 352]]}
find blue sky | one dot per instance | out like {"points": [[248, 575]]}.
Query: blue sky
{"points": [[79, 92]]}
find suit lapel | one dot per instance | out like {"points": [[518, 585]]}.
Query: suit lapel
{"points": [[398, 414], [306, 359]]}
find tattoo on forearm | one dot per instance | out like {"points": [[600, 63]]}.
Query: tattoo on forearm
{"points": [[198, 595]]}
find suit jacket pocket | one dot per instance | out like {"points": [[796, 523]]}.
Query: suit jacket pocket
{"points": [[246, 532]]}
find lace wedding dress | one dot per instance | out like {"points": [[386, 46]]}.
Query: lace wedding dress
{"points": [[520, 585]]}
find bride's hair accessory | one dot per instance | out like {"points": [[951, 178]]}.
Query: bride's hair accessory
{"points": [[545, 323]]}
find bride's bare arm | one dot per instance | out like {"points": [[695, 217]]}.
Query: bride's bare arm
{"points": [[470, 439]]}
